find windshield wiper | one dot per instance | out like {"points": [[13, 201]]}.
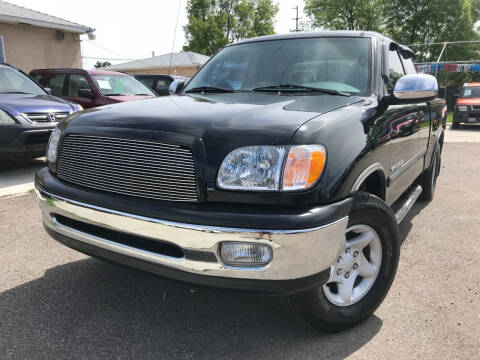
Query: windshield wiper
{"points": [[295, 87], [15, 92], [116, 95], [143, 94], [209, 89]]}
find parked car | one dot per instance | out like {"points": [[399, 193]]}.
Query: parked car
{"points": [[91, 88], [28, 114], [467, 107], [283, 167], [160, 84]]}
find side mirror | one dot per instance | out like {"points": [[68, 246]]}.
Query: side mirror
{"points": [[415, 88], [86, 93], [48, 90], [176, 86]]}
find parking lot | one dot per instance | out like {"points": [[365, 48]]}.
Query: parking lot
{"points": [[57, 303]]}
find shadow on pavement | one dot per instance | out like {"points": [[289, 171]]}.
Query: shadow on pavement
{"points": [[406, 225], [6, 164], [92, 309]]}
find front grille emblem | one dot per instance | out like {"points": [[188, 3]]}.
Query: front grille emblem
{"points": [[51, 117]]}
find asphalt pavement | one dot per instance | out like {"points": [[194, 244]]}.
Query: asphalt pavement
{"points": [[56, 303]]}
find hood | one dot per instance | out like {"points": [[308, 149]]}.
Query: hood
{"points": [[239, 117], [469, 101], [24, 103], [123, 98]]}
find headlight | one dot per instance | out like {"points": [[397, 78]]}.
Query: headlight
{"points": [[53, 146], [462, 108], [271, 168], [80, 107], [252, 168], [5, 119]]}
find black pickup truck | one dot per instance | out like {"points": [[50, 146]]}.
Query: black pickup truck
{"points": [[283, 167]]}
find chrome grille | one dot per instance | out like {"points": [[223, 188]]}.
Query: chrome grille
{"points": [[129, 167], [45, 117]]}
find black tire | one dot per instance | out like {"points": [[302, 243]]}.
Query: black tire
{"points": [[455, 125], [314, 307], [429, 178]]}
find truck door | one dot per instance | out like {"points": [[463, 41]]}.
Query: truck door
{"points": [[423, 118], [406, 147]]}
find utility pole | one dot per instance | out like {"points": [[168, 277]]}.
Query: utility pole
{"points": [[296, 18]]}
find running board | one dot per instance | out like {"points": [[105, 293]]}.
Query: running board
{"points": [[407, 205]]}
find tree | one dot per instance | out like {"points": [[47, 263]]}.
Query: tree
{"points": [[345, 14], [213, 24], [433, 21], [100, 64]]}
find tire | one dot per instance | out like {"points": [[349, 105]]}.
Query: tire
{"points": [[318, 307], [455, 125], [429, 178]]}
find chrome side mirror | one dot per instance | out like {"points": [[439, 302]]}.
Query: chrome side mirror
{"points": [[415, 88], [176, 86]]}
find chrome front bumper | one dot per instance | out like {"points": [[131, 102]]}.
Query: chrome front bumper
{"points": [[296, 253]]}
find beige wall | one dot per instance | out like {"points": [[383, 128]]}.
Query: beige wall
{"points": [[180, 71], [29, 48]]}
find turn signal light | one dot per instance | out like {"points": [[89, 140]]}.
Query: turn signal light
{"points": [[303, 167]]}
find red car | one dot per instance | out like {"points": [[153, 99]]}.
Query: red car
{"points": [[91, 88], [467, 107]]}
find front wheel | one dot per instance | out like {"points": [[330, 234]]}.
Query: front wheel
{"points": [[362, 273]]}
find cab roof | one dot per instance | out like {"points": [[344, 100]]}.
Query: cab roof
{"points": [[407, 52], [472, 84]]}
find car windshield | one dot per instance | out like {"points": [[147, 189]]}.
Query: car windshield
{"points": [[470, 92], [117, 85], [13, 81], [338, 64]]}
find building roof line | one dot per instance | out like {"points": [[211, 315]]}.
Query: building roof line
{"points": [[11, 13]]}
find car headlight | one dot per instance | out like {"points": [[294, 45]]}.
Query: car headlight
{"points": [[52, 146], [272, 168], [6, 119], [462, 108]]}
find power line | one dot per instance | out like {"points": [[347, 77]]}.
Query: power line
{"points": [[106, 58], [111, 51]]}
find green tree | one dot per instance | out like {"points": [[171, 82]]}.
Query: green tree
{"points": [[345, 14], [214, 23], [433, 21], [100, 64]]}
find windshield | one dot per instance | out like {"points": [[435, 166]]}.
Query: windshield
{"points": [[470, 92], [340, 64], [112, 84], [13, 81]]}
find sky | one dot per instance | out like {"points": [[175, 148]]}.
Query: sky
{"points": [[127, 30]]}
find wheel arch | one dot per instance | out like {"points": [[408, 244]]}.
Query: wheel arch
{"points": [[372, 180]]}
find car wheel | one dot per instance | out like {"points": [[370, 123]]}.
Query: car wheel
{"points": [[455, 125], [362, 273], [430, 176]]}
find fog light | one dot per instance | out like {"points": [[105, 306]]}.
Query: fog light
{"points": [[245, 254]]}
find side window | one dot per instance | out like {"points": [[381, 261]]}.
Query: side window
{"points": [[56, 83], [146, 81], [162, 86], [395, 69], [409, 67], [77, 82], [36, 77]]}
